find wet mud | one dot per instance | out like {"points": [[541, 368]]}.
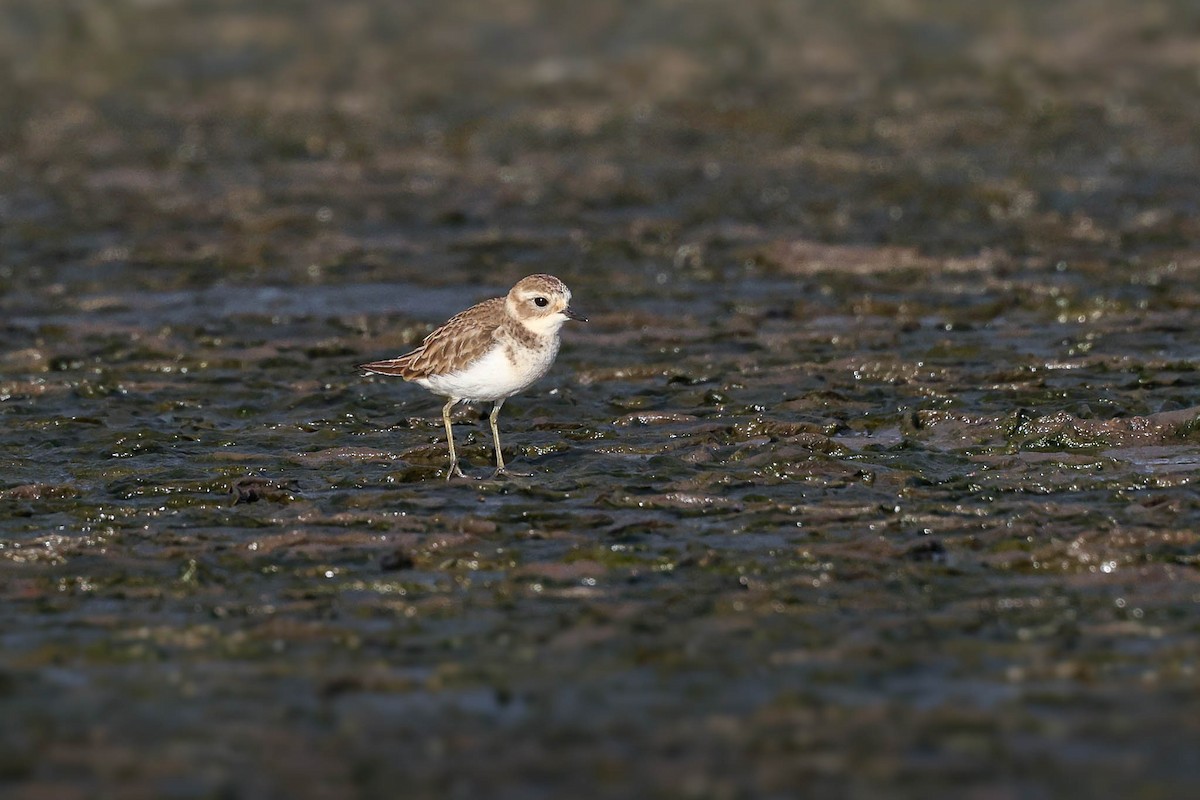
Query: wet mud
{"points": [[872, 475]]}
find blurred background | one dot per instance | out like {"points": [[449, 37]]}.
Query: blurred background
{"points": [[166, 142], [871, 476]]}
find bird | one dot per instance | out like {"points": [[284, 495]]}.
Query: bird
{"points": [[489, 352]]}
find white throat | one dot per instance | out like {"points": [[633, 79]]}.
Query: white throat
{"points": [[544, 326]]}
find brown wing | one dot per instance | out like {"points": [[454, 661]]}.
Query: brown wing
{"points": [[465, 337]]}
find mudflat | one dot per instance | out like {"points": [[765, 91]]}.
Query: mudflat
{"points": [[873, 474]]}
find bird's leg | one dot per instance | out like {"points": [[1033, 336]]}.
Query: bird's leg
{"points": [[496, 433], [454, 468], [500, 468]]}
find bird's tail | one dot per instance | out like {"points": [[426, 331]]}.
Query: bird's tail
{"points": [[392, 366]]}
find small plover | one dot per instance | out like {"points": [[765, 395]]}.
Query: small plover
{"points": [[489, 352]]}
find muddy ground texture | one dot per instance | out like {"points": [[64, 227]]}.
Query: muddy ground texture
{"points": [[873, 474]]}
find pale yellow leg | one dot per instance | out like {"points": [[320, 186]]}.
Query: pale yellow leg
{"points": [[500, 468], [454, 468], [496, 434]]}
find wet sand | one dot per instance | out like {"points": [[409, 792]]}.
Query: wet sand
{"points": [[873, 474]]}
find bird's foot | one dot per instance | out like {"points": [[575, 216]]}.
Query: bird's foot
{"points": [[505, 472], [456, 472]]}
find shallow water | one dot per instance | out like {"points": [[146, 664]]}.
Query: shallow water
{"points": [[871, 475]]}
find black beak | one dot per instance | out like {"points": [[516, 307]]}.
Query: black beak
{"points": [[575, 315]]}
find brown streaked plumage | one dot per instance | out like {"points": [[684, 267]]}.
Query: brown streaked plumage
{"points": [[462, 339], [491, 351]]}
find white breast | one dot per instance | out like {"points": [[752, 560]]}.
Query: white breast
{"points": [[495, 375]]}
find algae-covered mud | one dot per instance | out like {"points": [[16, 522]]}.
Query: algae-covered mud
{"points": [[872, 475]]}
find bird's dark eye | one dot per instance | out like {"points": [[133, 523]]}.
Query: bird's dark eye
{"points": [[541, 302]]}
